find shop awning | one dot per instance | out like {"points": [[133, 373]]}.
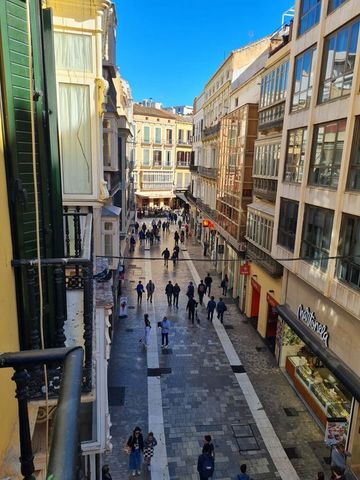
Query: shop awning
{"points": [[181, 196], [341, 371], [110, 211]]}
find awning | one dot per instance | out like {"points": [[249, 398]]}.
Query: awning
{"points": [[110, 211], [165, 194], [341, 371], [181, 196]]}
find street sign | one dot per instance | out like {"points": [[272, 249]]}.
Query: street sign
{"points": [[245, 269]]}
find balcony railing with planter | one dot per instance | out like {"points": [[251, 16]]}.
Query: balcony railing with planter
{"points": [[210, 131], [265, 188], [263, 259], [209, 172], [69, 284]]}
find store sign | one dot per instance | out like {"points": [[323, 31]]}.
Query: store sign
{"points": [[309, 318], [335, 431], [245, 269]]}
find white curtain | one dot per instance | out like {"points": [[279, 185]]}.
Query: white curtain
{"points": [[75, 138], [73, 52]]}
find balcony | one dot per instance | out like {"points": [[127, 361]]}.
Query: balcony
{"points": [[210, 212], [272, 118], [209, 132], [68, 313], [265, 188], [208, 172], [260, 257], [157, 186], [183, 164], [180, 141]]}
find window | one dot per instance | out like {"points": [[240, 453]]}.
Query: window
{"points": [[266, 160], [287, 223], [274, 85], [295, 153], [309, 15], [303, 79], [108, 245], [183, 159], [338, 62], [157, 158], [146, 138], [236, 102], [348, 269], [157, 135], [354, 172], [168, 136], [259, 229], [146, 156], [73, 51], [317, 236], [326, 154], [168, 158], [334, 4], [158, 180], [181, 136], [189, 137]]}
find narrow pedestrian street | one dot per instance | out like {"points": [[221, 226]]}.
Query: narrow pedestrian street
{"points": [[213, 379]]}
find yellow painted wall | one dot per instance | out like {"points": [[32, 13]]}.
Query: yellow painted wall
{"points": [[267, 283], [8, 316]]}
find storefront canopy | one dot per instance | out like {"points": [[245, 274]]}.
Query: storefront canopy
{"points": [[341, 371], [181, 196]]}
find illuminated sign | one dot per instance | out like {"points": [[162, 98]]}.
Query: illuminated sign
{"points": [[309, 318]]}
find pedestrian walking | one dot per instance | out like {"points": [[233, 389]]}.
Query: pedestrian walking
{"points": [[163, 227], [190, 290], [177, 250], [205, 465], [179, 223], [339, 456], [187, 231], [143, 227], [150, 289], [206, 246], [132, 243], [208, 441], [190, 307], [224, 285], [176, 238], [140, 290], [211, 308], [147, 330], [136, 227], [149, 444], [221, 309], [243, 475], [176, 291], [174, 257], [169, 290], [201, 291], [135, 445], [105, 473], [165, 329], [166, 255], [182, 236], [208, 281], [168, 227]]}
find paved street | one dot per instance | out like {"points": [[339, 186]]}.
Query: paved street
{"points": [[212, 380]]}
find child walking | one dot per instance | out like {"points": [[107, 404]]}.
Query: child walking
{"points": [[149, 444]]}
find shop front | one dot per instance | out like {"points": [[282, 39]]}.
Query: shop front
{"points": [[320, 358]]}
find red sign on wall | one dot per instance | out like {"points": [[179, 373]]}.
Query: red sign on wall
{"points": [[245, 269]]}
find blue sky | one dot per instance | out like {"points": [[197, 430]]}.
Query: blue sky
{"points": [[167, 49]]}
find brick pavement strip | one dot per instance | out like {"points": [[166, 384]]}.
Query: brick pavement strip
{"points": [[201, 395]]}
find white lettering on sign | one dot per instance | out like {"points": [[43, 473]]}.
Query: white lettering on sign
{"points": [[309, 318]]}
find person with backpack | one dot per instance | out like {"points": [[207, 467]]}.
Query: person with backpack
{"points": [[208, 281], [221, 309], [176, 291], [166, 255], [211, 308], [205, 464], [169, 290], [140, 290], [243, 475], [201, 291]]}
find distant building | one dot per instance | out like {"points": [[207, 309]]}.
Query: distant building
{"points": [[180, 110], [149, 102]]}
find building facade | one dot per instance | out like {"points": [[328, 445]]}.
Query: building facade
{"points": [[183, 151], [317, 223]]}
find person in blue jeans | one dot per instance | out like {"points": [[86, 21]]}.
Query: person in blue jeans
{"points": [[211, 308], [135, 445], [221, 309], [165, 329], [140, 290]]}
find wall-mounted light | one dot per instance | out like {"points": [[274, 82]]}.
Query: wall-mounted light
{"points": [[254, 276], [271, 291]]}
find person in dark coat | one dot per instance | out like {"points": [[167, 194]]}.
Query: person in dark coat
{"points": [[140, 290], [105, 473], [190, 290], [201, 291], [208, 281], [169, 290], [176, 292], [190, 307], [176, 238], [221, 309], [205, 465], [211, 308], [166, 255], [135, 445]]}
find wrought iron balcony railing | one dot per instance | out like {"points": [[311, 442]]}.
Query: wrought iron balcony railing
{"points": [[64, 455], [193, 168], [210, 172], [265, 188], [68, 282], [210, 131], [262, 258]]}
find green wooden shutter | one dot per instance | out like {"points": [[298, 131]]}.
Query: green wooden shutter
{"points": [[15, 84]]}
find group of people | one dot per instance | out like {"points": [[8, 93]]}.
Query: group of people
{"points": [[204, 288], [136, 446]]}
